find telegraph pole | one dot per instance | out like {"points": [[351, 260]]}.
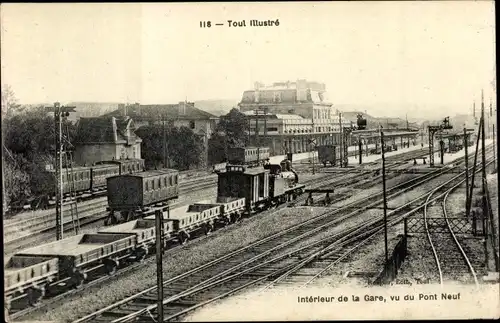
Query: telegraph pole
{"points": [[466, 141], [385, 197], [60, 112], [341, 139], [483, 161], [483, 154], [159, 262]]}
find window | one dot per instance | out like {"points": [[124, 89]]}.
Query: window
{"points": [[147, 185], [191, 124]]}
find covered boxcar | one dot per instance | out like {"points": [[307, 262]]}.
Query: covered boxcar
{"points": [[100, 173], [130, 195], [328, 154], [248, 155], [126, 166]]}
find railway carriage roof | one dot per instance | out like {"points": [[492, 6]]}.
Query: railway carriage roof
{"points": [[75, 169], [153, 173], [119, 161]]}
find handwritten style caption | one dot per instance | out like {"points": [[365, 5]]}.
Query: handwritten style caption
{"points": [[375, 298]]}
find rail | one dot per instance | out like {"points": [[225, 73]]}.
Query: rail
{"points": [[311, 227]]}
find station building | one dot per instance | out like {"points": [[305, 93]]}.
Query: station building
{"points": [[291, 116]]}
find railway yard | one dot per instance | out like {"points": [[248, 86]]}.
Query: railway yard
{"points": [[301, 238]]}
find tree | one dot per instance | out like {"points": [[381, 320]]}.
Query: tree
{"points": [[28, 141], [231, 131], [235, 126], [10, 104], [184, 147], [16, 180]]}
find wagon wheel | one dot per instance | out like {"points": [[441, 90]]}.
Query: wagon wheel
{"points": [[35, 295], [111, 266], [79, 279], [208, 228], [183, 238], [236, 217]]}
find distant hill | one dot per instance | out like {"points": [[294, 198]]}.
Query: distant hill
{"points": [[216, 107], [91, 109]]}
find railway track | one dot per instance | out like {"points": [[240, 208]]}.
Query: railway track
{"points": [[341, 179], [244, 267], [452, 261], [319, 264], [19, 231]]}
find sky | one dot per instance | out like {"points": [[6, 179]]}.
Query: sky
{"points": [[397, 57]]}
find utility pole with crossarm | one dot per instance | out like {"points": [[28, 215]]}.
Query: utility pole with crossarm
{"points": [[60, 112], [432, 130]]}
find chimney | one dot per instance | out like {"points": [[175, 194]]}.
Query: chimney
{"points": [[123, 108], [182, 108], [115, 130]]}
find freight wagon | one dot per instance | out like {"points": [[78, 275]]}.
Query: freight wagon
{"points": [[249, 156], [68, 261], [79, 180], [131, 196]]}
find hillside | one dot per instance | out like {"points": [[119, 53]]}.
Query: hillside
{"points": [[216, 107]]}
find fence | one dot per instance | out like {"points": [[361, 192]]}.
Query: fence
{"points": [[391, 268], [491, 226]]}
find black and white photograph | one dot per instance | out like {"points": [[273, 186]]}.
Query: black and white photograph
{"points": [[249, 161]]}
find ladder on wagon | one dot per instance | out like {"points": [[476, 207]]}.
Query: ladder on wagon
{"points": [[70, 179]]}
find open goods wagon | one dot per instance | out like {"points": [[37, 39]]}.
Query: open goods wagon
{"points": [[130, 196], [188, 219], [144, 231], [72, 258], [231, 208]]}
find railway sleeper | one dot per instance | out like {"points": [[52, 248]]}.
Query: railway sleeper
{"points": [[117, 313], [183, 302], [146, 300]]}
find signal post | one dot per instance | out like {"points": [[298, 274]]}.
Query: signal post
{"points": [[60, 112]]}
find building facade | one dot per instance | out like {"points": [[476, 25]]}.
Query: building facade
{"points": [[183, 114], [174, 115], [291, 116], [106, 138]]}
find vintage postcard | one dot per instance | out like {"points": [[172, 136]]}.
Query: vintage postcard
{"points": [[249, 161]]}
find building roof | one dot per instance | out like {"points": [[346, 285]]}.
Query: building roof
{"points": [[182, 110], [105, 129]]}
